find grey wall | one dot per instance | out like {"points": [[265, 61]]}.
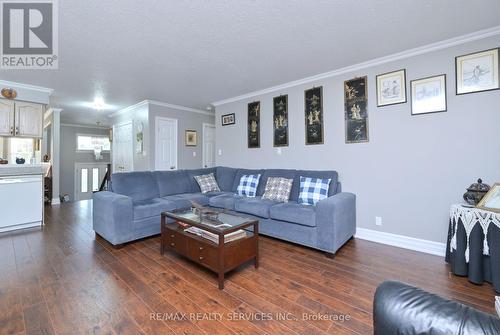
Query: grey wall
{"points": [[412, 169], [69, 156], [186, 121]]}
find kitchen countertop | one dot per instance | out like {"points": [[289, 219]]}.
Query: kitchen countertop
{"points": [[22, 169]]}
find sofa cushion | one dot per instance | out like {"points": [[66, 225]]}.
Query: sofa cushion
{"points": [[225, 200], [313, 190], [225, 177], [172, 182], [333, 175], [248, 185], [294, 213], [240, 173], [152, 207], [283, 173], [207, 183], [137, 185], [278, 189], [255, 206], [184, 200], [197, 172], [214, 194]]}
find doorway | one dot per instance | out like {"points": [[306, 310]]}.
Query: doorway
{"points": [[208, 145], [88, 179], [165, 143], [123, 148]]}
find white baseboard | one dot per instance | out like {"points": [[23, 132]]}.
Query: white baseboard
{"points": [[429, 247], [55, 201]]}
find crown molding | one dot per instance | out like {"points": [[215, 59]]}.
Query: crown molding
{"points": [[181, 108], [128, 109], [83, 126], [478, 35], [12, 84], [159, 103]]}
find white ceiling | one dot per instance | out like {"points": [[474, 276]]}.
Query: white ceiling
{"points": [[192, 53]]}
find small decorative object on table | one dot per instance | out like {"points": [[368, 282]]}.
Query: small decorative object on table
{"points": [[3, 161], [491, 201], [476, 192], [20, 160]]}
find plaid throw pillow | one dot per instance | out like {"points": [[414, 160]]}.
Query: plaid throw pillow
{"points": [[248, 185], [278, 189], [207, 183], [313, 190]]}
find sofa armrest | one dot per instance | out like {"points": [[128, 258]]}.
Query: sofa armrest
{"points": [[112, 216], [335, 221], [402, 309]]}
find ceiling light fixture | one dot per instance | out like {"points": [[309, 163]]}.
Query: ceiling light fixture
{"points": [[99, 103]]}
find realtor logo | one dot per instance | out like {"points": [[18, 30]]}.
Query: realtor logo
{"points": [[29, 34]]}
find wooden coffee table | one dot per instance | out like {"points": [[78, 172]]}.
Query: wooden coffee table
{"points": [[219, 257]]}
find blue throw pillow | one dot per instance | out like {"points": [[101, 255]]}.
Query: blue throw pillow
{"points": [[313, 190], [248, 185]]}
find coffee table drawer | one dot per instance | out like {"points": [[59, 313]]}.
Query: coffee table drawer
{"points": [[175, 241], [202, 253]]}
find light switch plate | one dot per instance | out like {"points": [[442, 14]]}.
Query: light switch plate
{"points": [[378, 220]]}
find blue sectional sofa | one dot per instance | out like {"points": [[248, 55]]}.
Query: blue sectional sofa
{"points": [[131, 209]]}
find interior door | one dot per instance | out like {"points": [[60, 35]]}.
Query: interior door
{"points": [[29, 119], [88, 179], [123, 151], [6, 117], [208, 145], [165, 144]]}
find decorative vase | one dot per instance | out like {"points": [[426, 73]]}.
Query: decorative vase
{"points": [[20, 160], [476, 192]]}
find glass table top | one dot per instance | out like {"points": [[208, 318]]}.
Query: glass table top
{"points": [[211, 218]]}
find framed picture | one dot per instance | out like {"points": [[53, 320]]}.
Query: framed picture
{"points": [[391, 88], [477, 72], [428, 95], [280, 121], [313, 106], [253, 124], [491, 200], [356, 110], [228, 119], [191, 138]]}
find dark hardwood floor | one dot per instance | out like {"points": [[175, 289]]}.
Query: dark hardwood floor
{"points": [[61, 280]]}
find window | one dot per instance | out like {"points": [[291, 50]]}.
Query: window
{"points": [[91, 142], [95, 179], [22, 148], [84, 181]]}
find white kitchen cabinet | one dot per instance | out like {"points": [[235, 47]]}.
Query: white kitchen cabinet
{"points": [[6, 117], [29, 119]]}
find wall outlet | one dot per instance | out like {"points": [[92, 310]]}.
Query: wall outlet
{"points": [[194, 153], [378, 220], [220, 152]]}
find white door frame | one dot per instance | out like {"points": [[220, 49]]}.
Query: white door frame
{"points": [[113, 156], [176, 122], [77, 180], [205, 125]]}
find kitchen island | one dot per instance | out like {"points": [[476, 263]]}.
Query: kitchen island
{"points": [[21, 196]]}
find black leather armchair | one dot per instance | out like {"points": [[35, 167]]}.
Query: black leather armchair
{"points": [[400, 309]]}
